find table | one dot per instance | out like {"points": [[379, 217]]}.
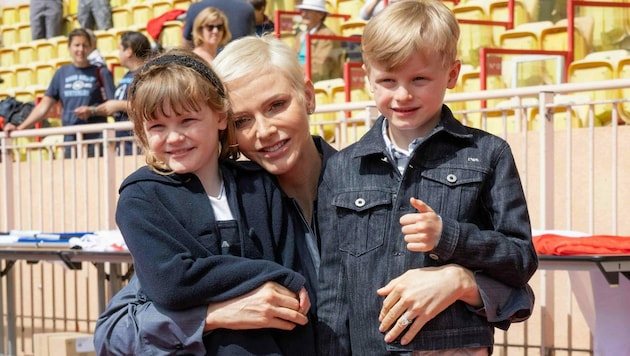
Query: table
{"points": [[601, 295], [72, 258]]}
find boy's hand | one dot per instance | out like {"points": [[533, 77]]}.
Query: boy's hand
{"points": [[423, 229]]}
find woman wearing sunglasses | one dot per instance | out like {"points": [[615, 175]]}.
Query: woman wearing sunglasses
{"points": [[211, 33]]}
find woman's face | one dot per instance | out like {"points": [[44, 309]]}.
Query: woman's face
{"points": [[312, 18], [213, 32], [79, 50], [271, 120]]}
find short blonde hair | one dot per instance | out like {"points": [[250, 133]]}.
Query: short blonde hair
{"points": [[180, 81], [406, 27], [205, 17]]}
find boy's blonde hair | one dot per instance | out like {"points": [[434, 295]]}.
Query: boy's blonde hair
{"points": [[406, 27], [180, 81]]}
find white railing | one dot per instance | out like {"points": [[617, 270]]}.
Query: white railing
{"points": [[574, 179]]}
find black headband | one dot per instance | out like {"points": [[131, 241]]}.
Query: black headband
{"points": [[189, 62]]}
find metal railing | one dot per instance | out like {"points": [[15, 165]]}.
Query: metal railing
{"points": [[575, 178]]}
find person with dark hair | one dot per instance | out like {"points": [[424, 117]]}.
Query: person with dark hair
{"points": [[134, 49], [240, 15], [79, 86], [264, 24]]}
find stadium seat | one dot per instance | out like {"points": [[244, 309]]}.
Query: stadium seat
{"points": [[8, 78], [352, 28], [471, 82], [24, 12], [587, 70], [609, 27], [498, 11], [159, 7], [7, 56], [322, 98], [44, 71], [140, 12], [24, 75], [472, 36], [61, 43], [106, 41], [171, 35], [45, 49], [556, 38], [623, 72], [10, 34], [25, 53], [24, 32], [121, 16], [350, 7], [185, 4], [10, 15], [567, 109]]}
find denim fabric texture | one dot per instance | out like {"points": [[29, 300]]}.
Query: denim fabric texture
{"points": [[469, 177]]}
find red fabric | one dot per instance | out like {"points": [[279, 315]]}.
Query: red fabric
{"points": [[551, 244], [154, 26]]}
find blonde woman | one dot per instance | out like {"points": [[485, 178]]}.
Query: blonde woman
{"points": [[211, 32]]}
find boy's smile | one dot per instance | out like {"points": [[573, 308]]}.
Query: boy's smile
{"points": [[411, 96]]}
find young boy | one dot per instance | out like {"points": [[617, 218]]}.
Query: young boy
{"points": [[419, 192]]}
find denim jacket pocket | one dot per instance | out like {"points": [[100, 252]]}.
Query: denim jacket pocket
{"points": [[457, 189], [363, 219]]}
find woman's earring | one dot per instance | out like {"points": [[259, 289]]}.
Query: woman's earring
{"points": [[310, 111]]}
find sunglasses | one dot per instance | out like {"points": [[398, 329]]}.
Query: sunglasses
{"points": [[214, 27]]}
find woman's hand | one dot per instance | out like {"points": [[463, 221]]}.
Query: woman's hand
{"points": [[84, 112], [269, 306], [418, 295]]}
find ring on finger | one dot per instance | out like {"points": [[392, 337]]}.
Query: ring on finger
{"points": [[404, 321]]}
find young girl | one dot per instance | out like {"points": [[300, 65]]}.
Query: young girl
{"points": [[201, 229]]}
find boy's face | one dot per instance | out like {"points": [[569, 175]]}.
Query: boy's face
{"points": [[411, 96]]}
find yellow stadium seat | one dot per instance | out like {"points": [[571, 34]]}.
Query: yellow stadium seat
{"points": [[10, 34], [171, 35], [587, 70], [8, 76], [24, 32], [24, 95], [472, 36], [45, 49], [471, 82], [106, 41], [25, 53], [567, 110], [350, 7], [498, 11], [24, 75], [10, 15], [609, 25], [159, 7], [352, 28], [24, 12], [121, 16], [325, 131], [7, 56], [141, 13], [623, 72], [556, 38], [44, 71], [185, 4]]}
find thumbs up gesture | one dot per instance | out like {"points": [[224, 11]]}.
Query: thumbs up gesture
{"points": [[423, 229]]}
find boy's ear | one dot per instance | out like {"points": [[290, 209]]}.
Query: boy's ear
{"points": [[453, 74]]}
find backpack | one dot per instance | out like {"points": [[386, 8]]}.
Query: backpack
{"points": [[14, 111]]}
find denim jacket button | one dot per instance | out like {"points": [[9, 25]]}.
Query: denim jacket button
{"points": [[434, 256], [359, 202], [451, 178]]}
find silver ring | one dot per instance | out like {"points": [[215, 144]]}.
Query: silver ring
{"points": [[404, 321]]}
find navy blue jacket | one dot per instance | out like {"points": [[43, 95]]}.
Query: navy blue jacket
{"points": [[185, 259]]}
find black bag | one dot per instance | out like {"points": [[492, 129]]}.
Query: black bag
{"points": [[14, 111]]}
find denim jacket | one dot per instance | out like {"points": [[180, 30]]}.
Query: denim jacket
{"points": [[470, 179]]}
